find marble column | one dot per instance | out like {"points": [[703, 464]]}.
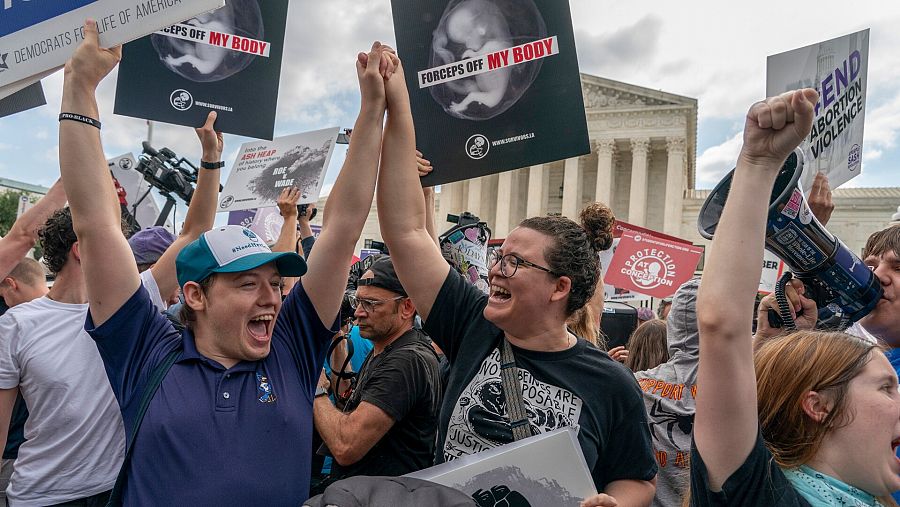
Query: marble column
{"points": [[507, 202], [449, 193], [606, 174], [676, 147], [538, 181], [572, 191], [473, 203], [637, 204]]}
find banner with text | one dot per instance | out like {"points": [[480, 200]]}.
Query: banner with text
{"points": [[651, 265], [502, 95], [228, 61], [837, 69], [610, 292], [38, 36], [263, 169]]}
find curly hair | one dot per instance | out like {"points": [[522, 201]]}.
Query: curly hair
{"points": [[57, 237], [574, 251]]}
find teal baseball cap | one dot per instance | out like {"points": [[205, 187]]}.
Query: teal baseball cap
{"points": [[232, 249]]}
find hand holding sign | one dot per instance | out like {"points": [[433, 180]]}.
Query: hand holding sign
{"points": [[90, 63], [776, 126]]}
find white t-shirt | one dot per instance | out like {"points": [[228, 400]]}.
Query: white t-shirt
{"points": [[152, 287], [75, 437]]}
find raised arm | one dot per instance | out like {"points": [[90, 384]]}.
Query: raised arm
{"points": [[726, 422], [287, 206], [350, 200], [401, 204], [110, 273], [201, 213], [22, 235]]}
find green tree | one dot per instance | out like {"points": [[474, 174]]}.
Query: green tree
{"points": [[9, 207]]}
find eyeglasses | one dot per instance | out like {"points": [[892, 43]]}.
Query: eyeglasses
{"points": [[368, 305], [510, 263]]}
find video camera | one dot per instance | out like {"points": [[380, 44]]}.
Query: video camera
{"points": [[167, 172]]}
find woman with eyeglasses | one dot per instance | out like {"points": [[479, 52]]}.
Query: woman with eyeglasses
{"points": [[546, 269]]}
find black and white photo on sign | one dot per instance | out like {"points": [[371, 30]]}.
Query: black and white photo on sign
{"points": [[494, 84], [228, 60], [264, 169]]}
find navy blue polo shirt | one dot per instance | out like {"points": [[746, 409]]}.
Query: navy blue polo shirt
{"points": [[216, 436]]}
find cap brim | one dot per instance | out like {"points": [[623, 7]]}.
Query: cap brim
{"points": [[287, 263]]}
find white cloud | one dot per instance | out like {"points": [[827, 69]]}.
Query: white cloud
{"points": [[716, 161]]}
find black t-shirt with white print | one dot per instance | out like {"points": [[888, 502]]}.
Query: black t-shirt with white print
{"points": [[581, 385]]}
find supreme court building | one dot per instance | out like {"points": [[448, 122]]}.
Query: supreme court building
{"points": [[642, 163]]}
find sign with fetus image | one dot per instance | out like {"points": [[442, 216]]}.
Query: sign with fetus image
{"points": [[494, 84], [264, 169], [228, 61]]}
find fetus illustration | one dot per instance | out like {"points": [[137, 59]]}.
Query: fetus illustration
{"points": [[473, 28], [200, 62], [479, 26]]}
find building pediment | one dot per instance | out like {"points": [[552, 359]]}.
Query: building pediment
{"points": [[606, 94]]}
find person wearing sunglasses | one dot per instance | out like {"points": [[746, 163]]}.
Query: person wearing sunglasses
{"points": [[388, 423], [546, 269]]}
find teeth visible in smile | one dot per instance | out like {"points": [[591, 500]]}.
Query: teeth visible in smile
{"points": [[262, 318], [499, 290]]}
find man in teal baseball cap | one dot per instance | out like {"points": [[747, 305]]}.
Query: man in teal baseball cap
{"points": [[231, 421]]}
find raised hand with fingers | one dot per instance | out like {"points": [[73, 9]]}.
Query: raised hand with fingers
{"points": [[777, 125], [371, 77], [287, 201], [212, 141], [423, 165], [819, 201], [90, 63]]}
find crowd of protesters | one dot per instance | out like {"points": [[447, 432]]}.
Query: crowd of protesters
{"points": [[210, 369]]}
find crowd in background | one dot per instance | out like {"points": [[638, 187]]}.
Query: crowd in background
{"points": [[209, 368]]}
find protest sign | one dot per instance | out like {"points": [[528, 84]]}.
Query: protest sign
{"points": [[503, 95], [837, 69], [652, 266], [30, 97], [610, 292], [263, 169], [38, 36], [772, 270], [124, 169], [228, 61], [546, 469]]}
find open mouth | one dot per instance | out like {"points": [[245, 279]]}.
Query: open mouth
{"points": [[499, 294], [260, 327]]}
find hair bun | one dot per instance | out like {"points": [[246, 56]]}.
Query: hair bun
{"points": [[598, 219]]}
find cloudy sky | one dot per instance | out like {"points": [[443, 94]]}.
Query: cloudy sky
{"points": [[714, 51]]}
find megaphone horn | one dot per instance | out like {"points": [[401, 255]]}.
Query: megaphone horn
{"points": [[834, 276]]}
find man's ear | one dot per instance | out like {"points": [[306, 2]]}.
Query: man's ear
{"points": [[407, 308], [562, 289], [9, 282], [76, 251], [816, 405], [194, 297]]}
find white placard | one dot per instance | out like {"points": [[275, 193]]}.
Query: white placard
{"points": [[38, 36], [546, 469], [837, 69], [124, 168], [264, 168]]}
